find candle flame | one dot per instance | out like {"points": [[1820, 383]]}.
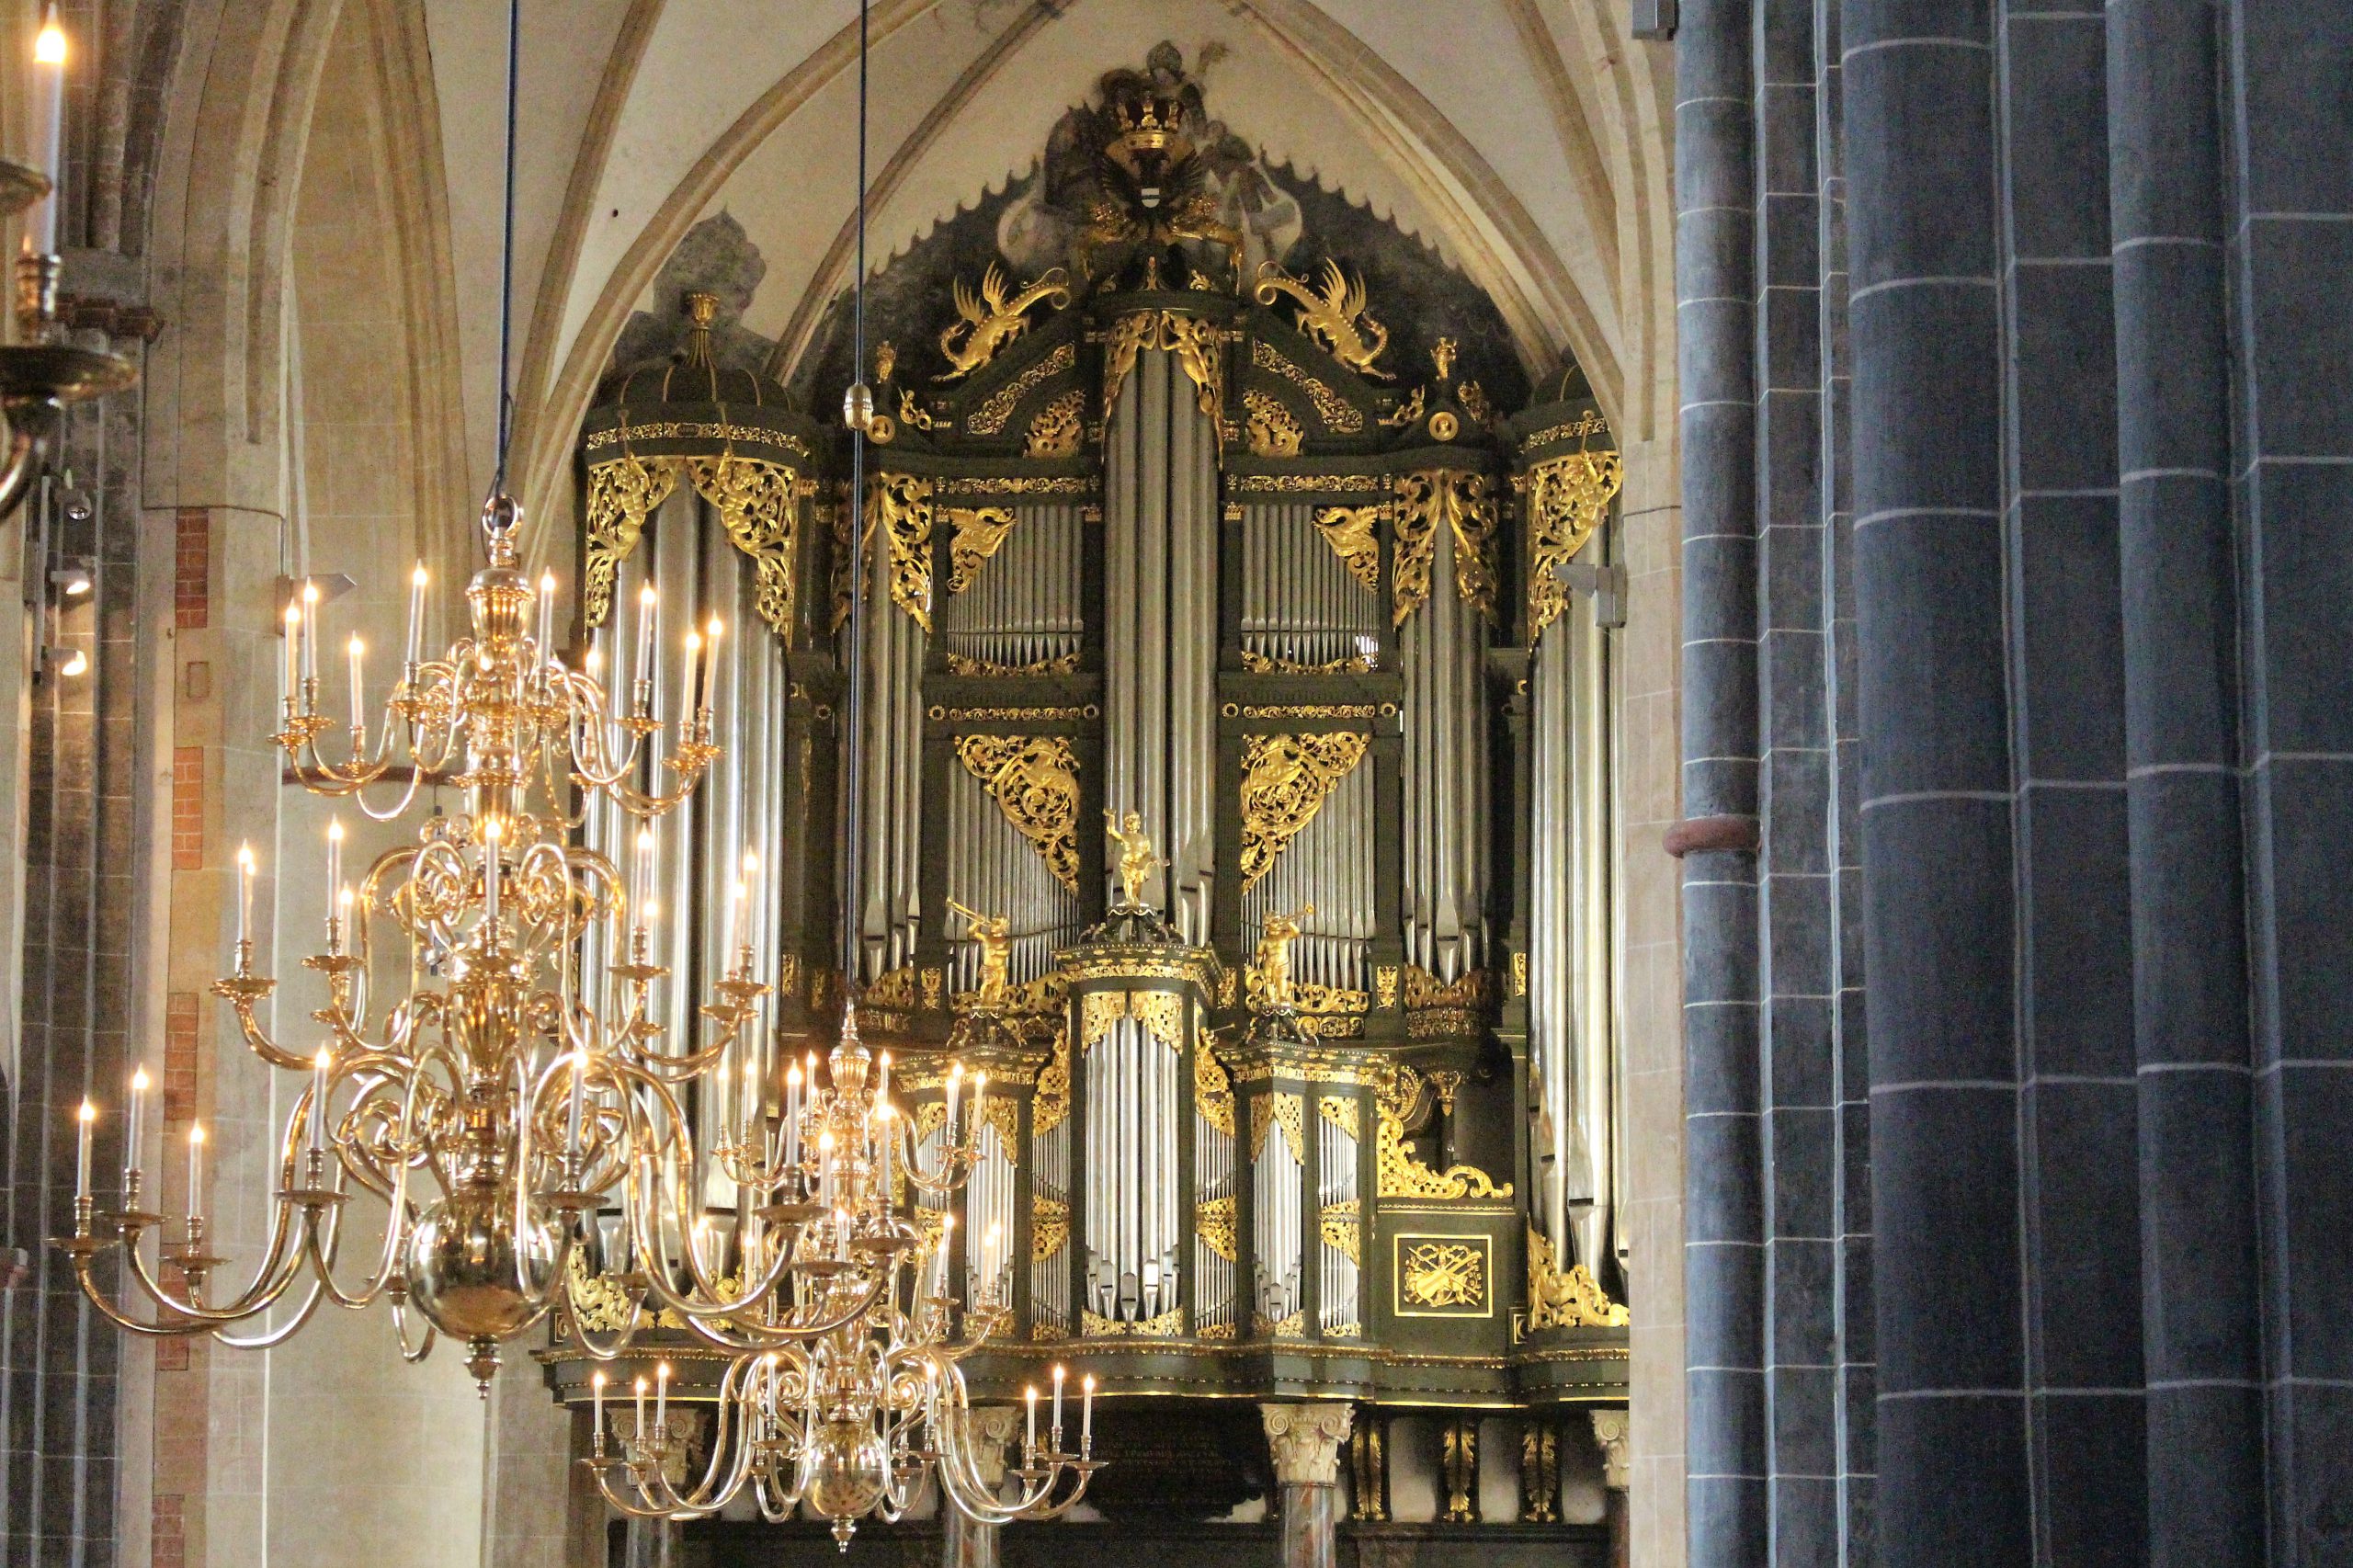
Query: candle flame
{"points": [[139, 1080], [714, 628], [416, 578], [245, 859], [196, 1135], [49, 47], [335, 830], [310, 591], [358, 647], [597, 1378], [322, 1059], [90, 1112], [645, 595]]}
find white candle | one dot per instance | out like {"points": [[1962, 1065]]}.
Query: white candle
{"points": [[245, 895], [293, 653], [955, 1090], [1086, 1416], [491, 832], [979, 1107], [734, 938], [1057, 1428], [640, 1428], [335, 873], [841, 1235], [883, 1136], [825, 1166], [1029, 1438], [939, 1258], [310, 630], [710, 659], [133, 1117], [691, 673], [195, 1172], [662, 1400], [988, 1269], [645, 876], [49, 125], [359, 710], [415, 615], [882, 1077], [647, 614], [319, 1066], [596, 1381], [547, 618], [792, 1115], [579, 1103], [89, 1117]]}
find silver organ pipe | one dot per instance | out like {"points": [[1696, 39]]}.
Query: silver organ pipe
{"points": [[992, 868], [1049, 1290], [1445, 777], [1023, 607], [1338, 1208], [1131, 1169], [1277, 1178], [1160, 518], [1330, 864], [1213, 1299], [989, 1235], [1299, 603], [888, 813]]}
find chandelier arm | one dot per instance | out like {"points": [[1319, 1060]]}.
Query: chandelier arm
{"points": [[399, 1217], [241, 998], [270, 1338], [400, 1333]]}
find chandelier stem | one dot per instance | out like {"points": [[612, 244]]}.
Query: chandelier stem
{"points": [[506, 249]]}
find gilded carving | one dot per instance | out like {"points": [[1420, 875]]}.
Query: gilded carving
{"points": [[1307, 483], [1583, 427], [987, 321], [1284, 781], [1342, 1230], [989, 417], [755, 502], [966, 665], [976, 534], [1338, 415], [1197, 343], [1332, 314], [1401, 1175], [1261, 664], [1049, 1227], [1569, 1298], [1128, 336], [1461, 501], [1567, 497], [1441, 1275], [1273, 431], [1161, 1013], [726, 432], [1385, 982], [1406, 413], [1097, 1011], [1052, 1106], [1291, 1327], [1270, 980], [1213, 1221], [1474, 403], [1349, 530], [1138, 864], [1034, 780], [900, 507], [600, 1303], [1059, 427], [621, 495], [1169, 1324], [1212, 1088], [1289, 1112], [1340, 1110], [1019, 484]]}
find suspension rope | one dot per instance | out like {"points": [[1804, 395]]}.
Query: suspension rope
{"points": [[507, 252], [853, 846]]}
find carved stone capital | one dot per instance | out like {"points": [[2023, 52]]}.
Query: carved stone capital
{"points": [[991, 1429], [682, 1430], [1305, 1441], [1609, 1432]]}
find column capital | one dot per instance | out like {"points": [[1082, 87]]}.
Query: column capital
{"points": [[1611, 1432], [990, 1430], [1305, 1441]]}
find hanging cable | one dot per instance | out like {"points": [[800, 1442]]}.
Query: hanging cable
{"points": [[857, 408], [507, 253]]}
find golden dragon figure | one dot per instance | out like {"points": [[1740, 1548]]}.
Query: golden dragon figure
{"points": [[986, 321], [1332, 314]]}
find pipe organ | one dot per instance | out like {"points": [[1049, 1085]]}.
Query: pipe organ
{"points": [[1236, 755]]}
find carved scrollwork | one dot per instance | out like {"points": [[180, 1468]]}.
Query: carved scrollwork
{"points": [[977, 533], [1272, 430], [1567, 497], [1198, 343], [621, 495], [989, 417], [1339, 416], [1034, 780], [1049, 1227], [1350, 532], [1569, 1298], [1052, 1106], [1284, 781], [1442, 1276], [1457, 499], [1059, 427], [986, 321], [1342, 1229], [1332, 313], [1261, 664], [1212, 1088], [1213, 1221], [966, 665], [756, 502], [900, 508]]}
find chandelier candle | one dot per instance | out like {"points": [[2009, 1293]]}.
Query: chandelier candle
{"points": [[132, 1116], [49, 125], [195, 1179]]}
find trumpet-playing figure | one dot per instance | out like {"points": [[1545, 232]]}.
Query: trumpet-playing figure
{"points": [[1272, 972], [1137, 862], [993, 932]]}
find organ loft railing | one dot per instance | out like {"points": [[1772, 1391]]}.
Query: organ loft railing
{"points": [[1237, 673]]}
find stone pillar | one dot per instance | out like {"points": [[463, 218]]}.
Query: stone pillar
{"points": [[2199, 1342], [1715, 290], [966, 1542], [1305, 1442], [1938, 921], [1609, 1429]]}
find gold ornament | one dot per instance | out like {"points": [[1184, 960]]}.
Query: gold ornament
{"points": [[1332, 314], [1339, 416], [1058, 427], [1349, 530], [988, 321], [755, 500], [899, 505], [1213, 1221], [989, 420], [621, 495], [1446, 1277], [1034, 780], [1270, 980], [1341, 1228], [978, 532], [1284, 781], [1567, 1297], [1049, 1227], [991, 932], [1273, 431], [1567, 497], [1137, 862], [1460, 500], [1212, 1088], [965, 664]]}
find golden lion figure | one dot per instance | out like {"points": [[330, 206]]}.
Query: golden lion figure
{"points": [[993, 932], [1273, 968], [1137, 862]]}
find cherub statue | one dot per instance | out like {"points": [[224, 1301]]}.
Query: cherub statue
{"points": [[1137, 862], [991, 932], [1273, 968]]}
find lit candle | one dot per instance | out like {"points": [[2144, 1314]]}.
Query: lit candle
{"points": [[640, 1428], [334, 868], [82, 1150], [939, 1257], [748, 1112], [955, 1090], [988, 1269], [662, 1401], [415, 615], [693, 672], [293, 653], [792, 1114], [710, 659], [1057, 1428], [645, 875], [491, 832], [1086, 1417], [244, 896], [359, 712], [1030, 1436], [195, 1173], [48, 124], [319, 1066], [343, 909], [547, 618], [736, 930], [884, 1134], [841, 1235], [596, 1381], [647, 613], [131, 1118], [980, 1106]]}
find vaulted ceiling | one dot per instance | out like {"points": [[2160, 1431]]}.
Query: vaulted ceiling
{"points": [[1524, 139]]}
